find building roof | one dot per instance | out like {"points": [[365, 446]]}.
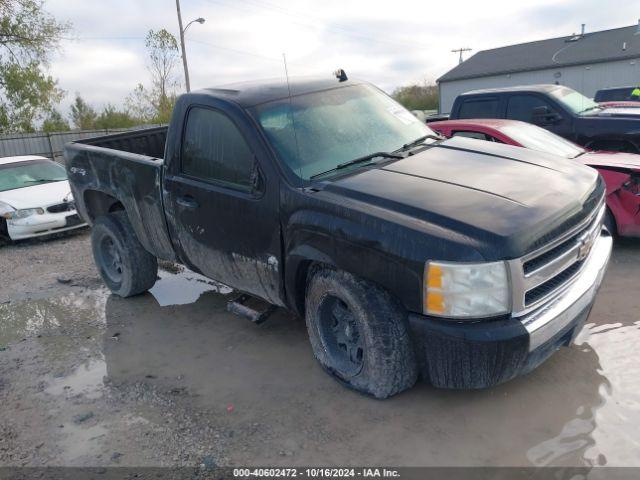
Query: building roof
{"points": [[540, 88], [248, 94], [595, 47]]}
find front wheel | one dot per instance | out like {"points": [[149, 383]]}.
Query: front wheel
{"points": [[124, 265], [359, 334]]}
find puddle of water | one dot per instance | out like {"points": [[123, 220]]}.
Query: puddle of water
{"points": [[605, 433], [184, 287], [87, 380], [30, 318]]}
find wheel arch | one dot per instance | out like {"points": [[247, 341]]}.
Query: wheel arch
{"points": [[301, 262], [99, 203]]}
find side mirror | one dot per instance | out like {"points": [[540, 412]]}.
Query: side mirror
{"points": [[257, 184], [541, 111], [543, 115]]}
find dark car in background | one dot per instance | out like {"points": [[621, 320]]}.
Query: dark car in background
{"points": [[615, 94], [558, 109]]}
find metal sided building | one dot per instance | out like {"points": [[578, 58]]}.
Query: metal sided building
{"points": [[585, 62]]}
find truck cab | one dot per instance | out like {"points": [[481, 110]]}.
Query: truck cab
{"points": [[558, 109]]}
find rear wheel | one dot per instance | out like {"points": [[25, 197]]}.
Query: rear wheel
{"points": [[124, 265], [359, 334]]}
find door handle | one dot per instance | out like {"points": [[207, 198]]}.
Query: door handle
{"points": [[187, 201]]}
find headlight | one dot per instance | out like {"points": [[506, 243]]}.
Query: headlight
{"points": [[464, 290], [25, 212], [5, 208]]}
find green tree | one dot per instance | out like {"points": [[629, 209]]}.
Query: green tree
{"points": [[83, 115], [139, 104], [28, 37], [55, 122], [155, 104], [111, 117], [164, 57], [417, 97]]}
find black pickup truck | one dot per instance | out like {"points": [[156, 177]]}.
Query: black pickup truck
{"points": [[468, 262], [559, 109]]}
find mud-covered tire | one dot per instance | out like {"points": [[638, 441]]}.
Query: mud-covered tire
{"points": [[610, 222], [388, 364], [124, 265]]}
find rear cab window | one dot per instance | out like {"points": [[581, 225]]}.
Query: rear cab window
{"points": [[487, 107]]}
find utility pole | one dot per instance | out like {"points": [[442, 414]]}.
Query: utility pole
{"points": [[184, 53], [458, 50]]}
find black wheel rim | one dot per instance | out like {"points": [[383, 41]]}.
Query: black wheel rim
{"points": [[111, 259], [341, 336]]}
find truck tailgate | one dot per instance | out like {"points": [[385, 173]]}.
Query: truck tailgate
{"points": [[133, 179]]}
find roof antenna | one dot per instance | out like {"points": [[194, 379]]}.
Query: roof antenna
{"points": [[293, 123], [341, 75]]}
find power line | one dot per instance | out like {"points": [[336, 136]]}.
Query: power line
{"points": [[336, 28], [213, 45], [241, 52]]}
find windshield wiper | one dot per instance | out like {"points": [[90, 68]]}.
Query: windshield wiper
{"points": [[591, 108], [41, 180], [358, 160], [419, 140]]}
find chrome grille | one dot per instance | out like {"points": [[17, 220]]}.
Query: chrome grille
{"points": [[545, 273]]}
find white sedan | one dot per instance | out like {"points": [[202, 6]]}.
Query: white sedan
{"points": [[35, 198]]}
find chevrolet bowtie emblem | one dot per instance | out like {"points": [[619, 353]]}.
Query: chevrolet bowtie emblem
{"points": [[585, 242]]}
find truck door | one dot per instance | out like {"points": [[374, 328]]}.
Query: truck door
{"points": [[536, 109], [222, 203]]}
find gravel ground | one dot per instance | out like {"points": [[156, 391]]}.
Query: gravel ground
{"points": [[170, 378]]}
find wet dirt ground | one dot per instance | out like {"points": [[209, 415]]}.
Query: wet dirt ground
{"points": [[171, 378]]}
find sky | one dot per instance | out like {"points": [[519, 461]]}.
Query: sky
{"points": [[389, 43]]}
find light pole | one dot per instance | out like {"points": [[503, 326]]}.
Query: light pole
{"points": [[184, 52]]}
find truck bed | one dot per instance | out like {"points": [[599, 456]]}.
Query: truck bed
{"points": [[126, 169], [148, 142]]}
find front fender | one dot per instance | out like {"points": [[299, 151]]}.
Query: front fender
{"points": [[352, 247]]}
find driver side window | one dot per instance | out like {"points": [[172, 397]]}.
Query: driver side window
{"points": [[521, 107], [214, 150]]}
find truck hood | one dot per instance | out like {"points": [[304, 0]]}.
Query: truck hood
{"points": [[37, 195], [506, 200]]}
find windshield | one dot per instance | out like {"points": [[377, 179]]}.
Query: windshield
{"points": [[30, 173], [536, 138], [336, 126], [574, 101]]}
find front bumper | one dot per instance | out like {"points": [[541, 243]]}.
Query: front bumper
{"points": [[485, 353], [45, 224]]}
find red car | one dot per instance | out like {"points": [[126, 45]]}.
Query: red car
{"points": [[621, 171]]}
